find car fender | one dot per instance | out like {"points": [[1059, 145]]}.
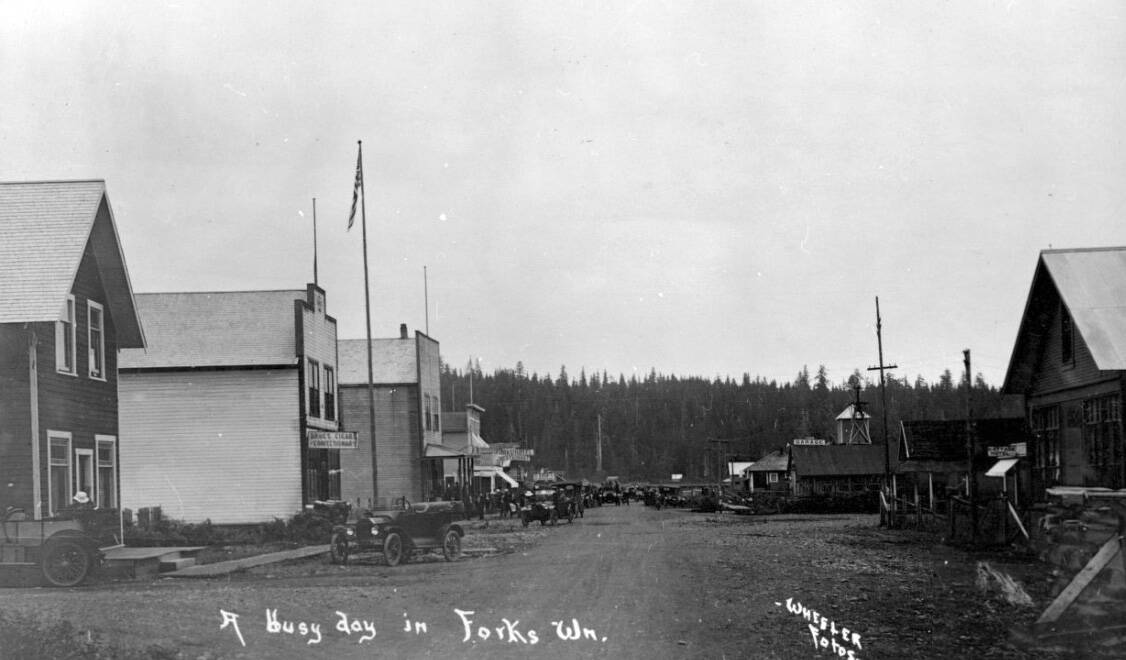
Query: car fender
{"points": [[454, 526]]}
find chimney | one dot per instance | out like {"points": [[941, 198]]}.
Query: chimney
{"points": [[403, 331]]}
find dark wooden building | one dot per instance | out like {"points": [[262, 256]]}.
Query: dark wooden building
{"points": [[67, 309], [1069, 362]]}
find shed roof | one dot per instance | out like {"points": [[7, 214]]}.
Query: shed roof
{"points": [[393, 361], [216, 329], [45, 228], [838, 460], [1092, 285]]}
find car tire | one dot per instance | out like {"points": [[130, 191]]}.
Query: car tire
{"points": [[524, 520], [65, 563], [393, 549], [451, 546], [338, 549]]}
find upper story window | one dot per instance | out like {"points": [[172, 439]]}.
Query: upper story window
{"points": [[426, 412], [65, 336], [1067, 337], [97, 338], [313, 379], [330, 393], [437, 414]]}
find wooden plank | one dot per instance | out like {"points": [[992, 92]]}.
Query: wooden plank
{"points": [[1017, 518], [1103, 557]]}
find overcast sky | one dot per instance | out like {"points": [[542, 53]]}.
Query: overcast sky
{"points": [[700, 188]]}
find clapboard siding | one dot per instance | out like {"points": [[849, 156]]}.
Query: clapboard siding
{"points": [[396, 413], [15, 413], [1051, 374], [218, 445]]}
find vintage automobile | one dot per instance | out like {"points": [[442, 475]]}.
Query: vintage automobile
{"points": [[401, 532], [541, 506], [63, 551]]}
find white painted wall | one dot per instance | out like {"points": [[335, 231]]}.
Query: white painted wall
{"points": [[218, 445]]}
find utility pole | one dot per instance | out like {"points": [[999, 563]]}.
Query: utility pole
{"points": [[598, 454], [721, 457], [971, 478], [883, 394]]}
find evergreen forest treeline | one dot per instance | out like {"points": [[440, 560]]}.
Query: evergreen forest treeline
{"points": [[659, 425]]}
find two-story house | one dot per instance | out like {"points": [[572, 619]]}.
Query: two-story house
{"points": [[66, 311], [224, 416], [1069, 363]]}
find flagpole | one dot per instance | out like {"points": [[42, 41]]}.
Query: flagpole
{"points": [[315, 283], [367, 310]]}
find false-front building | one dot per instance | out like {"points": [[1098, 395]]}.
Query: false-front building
{"points": [[406, 389], [224, 417]]}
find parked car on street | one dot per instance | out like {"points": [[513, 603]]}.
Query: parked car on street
{"points": [[63, 551], [400, 533], [541, 506]]}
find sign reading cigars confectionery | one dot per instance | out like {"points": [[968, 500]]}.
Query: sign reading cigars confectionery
{"points": [[331, 439]]}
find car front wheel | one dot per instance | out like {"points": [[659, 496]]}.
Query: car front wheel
{"points": [[338, 548], [65, 563], [451, 546], [393, 549]]}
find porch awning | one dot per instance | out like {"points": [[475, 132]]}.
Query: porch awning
{"points": [[493, 471], [1001, 467], [442, 451]]}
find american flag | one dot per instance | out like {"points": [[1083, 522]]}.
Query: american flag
{"points": [[356, 187]]}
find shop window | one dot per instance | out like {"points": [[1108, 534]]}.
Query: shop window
{"points": [[60, 471], [313, 379], [330, 393], [96, 336], [1102, 441], [107, 472], [65, 339]]}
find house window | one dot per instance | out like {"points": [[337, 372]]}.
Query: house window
{"points": [[107, 472], [1102, 441], [61, 472], [1067, 337], [437, 414], [771, 477], [313, 378], [65, 339], [1045, 424], [96, 336], [426, 413], [330, 393]]}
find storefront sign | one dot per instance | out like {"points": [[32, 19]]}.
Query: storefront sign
{"points": [[332, 439], [1014, 450], [816, 442]]}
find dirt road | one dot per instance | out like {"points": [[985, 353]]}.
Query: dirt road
{"points": [[623, 582]]}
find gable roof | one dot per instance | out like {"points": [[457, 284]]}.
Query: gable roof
{"points": [[776, 461], [393, 361], [1092, 286], [839, 460], [216, 329], [45, 228]]}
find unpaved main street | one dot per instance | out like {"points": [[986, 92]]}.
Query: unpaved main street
{"points": [[629, 582]]}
